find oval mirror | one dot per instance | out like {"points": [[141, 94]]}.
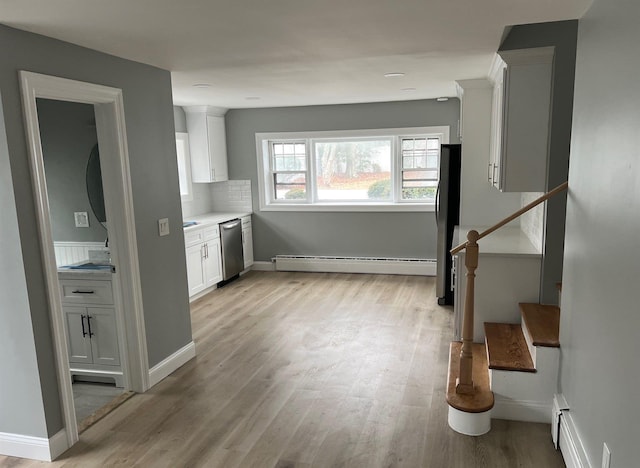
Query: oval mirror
{"points": [[94, 186]]}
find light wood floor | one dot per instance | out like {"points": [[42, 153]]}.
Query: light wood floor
{"points": [[308, 369]]}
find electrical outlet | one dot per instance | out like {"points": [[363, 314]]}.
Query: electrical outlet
{"points": [[163, 226], [606, 456]]}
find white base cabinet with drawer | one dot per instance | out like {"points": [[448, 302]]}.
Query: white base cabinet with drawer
{"points": [[204, 261], [92, 332], [247, 241]]}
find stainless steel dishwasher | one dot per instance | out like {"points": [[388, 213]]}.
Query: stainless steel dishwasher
{"points": [[231, 239]]}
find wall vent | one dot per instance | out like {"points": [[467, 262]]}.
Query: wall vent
{"points": [[388, 266]]}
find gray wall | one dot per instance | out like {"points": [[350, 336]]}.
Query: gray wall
{"points": [[600, 321], [67, 140], [154, 174], [384, 234], [562, 35], [21, 406]]}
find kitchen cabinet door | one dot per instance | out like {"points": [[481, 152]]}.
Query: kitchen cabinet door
{"points": [[78, 341], [247, 246], [208, 146], [195, 270], [104, 337], [212, 263], [521, 119]]}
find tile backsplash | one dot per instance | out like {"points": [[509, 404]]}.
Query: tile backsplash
{"points": [[232, 195], [532, 222]]}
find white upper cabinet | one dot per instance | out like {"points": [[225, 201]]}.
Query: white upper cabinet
{"points": [[208, 145], [521, 119]]}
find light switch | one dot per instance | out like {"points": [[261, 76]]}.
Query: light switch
{"points": [[82, 219], [163, 226]]}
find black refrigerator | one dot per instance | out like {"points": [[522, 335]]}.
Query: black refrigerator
{"points": [[447, 217]]}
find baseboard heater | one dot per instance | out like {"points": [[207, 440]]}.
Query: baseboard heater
{"points": [[388, 266]]}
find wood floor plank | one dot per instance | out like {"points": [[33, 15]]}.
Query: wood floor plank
{"points": [[307, 370]]}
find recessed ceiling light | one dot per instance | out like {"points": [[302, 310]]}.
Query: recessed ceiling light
{"points": [[252, 98], [393, 75], [408, 89], [202, 85]]}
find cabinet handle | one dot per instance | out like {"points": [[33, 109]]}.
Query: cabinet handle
{"points": [[78, 291], [207, 245], [213, 174], [494, 173], [84, 332], [89, 323], [490, 173]]}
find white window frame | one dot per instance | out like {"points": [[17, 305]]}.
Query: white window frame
{"points": [[182, 141], [265, 186]]}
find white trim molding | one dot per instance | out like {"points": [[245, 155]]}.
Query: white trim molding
{"points": [[171, 363], [35, 448], [571, 446], [110, 127]]}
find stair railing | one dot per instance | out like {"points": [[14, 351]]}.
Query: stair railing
{"points": [[464, 383]]}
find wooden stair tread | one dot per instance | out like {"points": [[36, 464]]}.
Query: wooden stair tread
{"points": [[482, 400], [543, 323], [506, 348]]}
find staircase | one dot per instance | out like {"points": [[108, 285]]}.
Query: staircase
{"points": [[515, 371], [523, 362], [515, 374]]}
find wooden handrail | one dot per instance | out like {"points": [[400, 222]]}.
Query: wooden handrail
{"points": [[518, 213], [464, 382]]}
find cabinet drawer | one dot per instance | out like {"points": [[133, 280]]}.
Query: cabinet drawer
{"points": [[193, 238], [211, 233], [86, 292]]}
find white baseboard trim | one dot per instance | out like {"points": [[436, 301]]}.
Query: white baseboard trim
{"points": [[171, 363], [263, 266], [58, 444], [370, 265], [202, 293], [34, 448], [521, 410], [571, 446]]}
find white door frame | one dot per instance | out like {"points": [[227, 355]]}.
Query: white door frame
{"points": [[111, 130]]}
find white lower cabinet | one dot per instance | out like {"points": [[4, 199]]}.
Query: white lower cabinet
{"points": [[247, 241], [93, 337], [92, 332], [204, 260]]}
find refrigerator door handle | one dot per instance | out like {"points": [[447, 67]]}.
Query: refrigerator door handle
{"points": [[437, 201]]}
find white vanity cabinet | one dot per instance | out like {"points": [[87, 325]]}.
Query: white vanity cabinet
{"points": [[208, 145], [247, 241], [204, 261], [521, 119], [90, 319]]}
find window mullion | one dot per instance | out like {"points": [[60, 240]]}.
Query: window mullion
{"points": [[312, 195]]}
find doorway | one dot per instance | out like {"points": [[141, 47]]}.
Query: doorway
{"points": [[125, 294]]}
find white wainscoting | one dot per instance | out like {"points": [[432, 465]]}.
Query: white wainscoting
{"points": [[74, 252], [571, 446]]}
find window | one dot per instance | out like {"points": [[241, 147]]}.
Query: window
{"points": [[184, 166], [360, 170]]}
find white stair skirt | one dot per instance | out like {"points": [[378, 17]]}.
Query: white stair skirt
{"points": [[389, 266], [472, 424]]}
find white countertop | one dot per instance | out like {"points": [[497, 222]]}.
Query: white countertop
{"points": [[505, 241], [213, 218]]}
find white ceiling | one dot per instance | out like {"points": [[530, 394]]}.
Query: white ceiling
{"points": [[294, 52]]}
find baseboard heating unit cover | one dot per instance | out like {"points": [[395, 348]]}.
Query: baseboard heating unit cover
{"points": [[388, 266]]}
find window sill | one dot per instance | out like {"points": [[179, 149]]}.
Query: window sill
{"points": [[353, 207]]}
